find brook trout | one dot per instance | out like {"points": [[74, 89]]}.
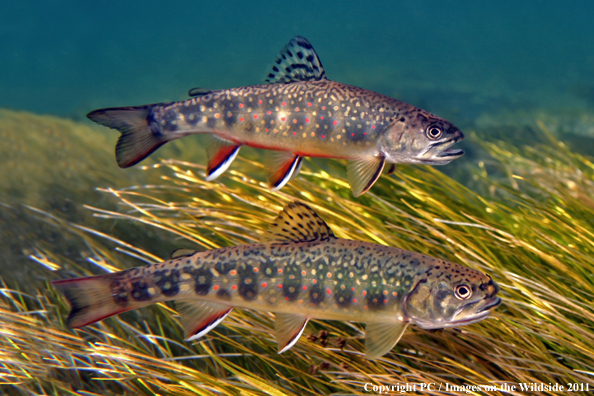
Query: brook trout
{"points": [[300, 113], [299, 271]]}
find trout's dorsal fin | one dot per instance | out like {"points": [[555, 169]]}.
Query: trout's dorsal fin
{"points": [[200, 317], [288, 329], [362, 174], [380, 338], [297, 223], [296, 62]]}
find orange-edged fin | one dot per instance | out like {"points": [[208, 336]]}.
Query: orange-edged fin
{"points": [[220, 154], [391, 169], [288, 328], [91, 299], [137, 141], [297, 170], [380, 338], [285, 168], [200, 317], [362, 174]]}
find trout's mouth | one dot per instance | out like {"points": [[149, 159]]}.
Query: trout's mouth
{"points": [[479, 314], [439, 154]]}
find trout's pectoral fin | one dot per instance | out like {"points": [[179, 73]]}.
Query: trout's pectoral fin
{"points": [[298, 61], [288, 328], [297, 223], [363, 173], [391, 169], [285, 167], [200, 317], [220, 154], [380, 338]]}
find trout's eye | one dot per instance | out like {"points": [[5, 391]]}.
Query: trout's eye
{"points": [[434, 133], [462, 292]]}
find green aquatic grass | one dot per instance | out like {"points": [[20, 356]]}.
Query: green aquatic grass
{"points": [[532, 231]]}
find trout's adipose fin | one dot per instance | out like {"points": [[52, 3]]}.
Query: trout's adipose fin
{"points": [[220, 154], [298, 61], [137, 140], [198, 92], [288, 329], [380, 338], [200, 317], [297, 223], [362, 174], [181, 252], [288, 166]]}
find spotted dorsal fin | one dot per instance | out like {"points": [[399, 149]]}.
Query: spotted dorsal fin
{"points": [[296, 62], [297, 223]]}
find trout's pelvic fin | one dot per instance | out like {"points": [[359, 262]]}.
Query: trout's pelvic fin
{"points": [[200, 317], [380, 338], [137, 140], [296, 62], [220, 154], [90, 299], [297, 223], [287, 167], [288, 329], [363, 173]]}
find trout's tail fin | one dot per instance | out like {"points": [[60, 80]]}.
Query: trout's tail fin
{"points": [[138, 140], [90, 299]]}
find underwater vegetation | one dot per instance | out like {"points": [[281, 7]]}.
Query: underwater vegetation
{"points": [[528, 223]]}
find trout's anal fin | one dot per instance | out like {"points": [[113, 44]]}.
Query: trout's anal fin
{"points": [[296, 62], [297, 223], [288, 329], [363, 173], [288, 166], [380, 338], [220, 154], [200, 317]]}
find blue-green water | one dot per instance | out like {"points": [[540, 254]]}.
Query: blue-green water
{"points": [[460, 58]]}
